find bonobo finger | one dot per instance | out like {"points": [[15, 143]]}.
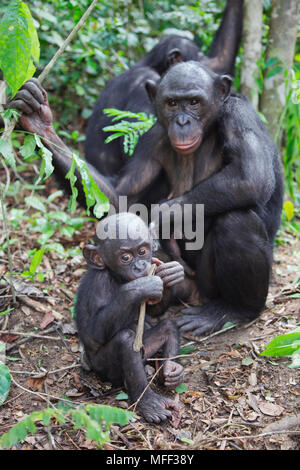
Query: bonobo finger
{"points": [[172, 265], [20, 105], [33, 86], [176, 281], [26, 96], [157, 261], [175, 372], [170, 404], [166, 271]]}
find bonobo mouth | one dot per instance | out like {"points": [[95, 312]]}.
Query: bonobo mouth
{"points": [[188, 146]]}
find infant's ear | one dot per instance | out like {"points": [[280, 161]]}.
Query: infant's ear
{"points": [[93, 257], [153, 234]]}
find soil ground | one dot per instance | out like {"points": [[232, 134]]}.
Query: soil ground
{"points": [[234, 398]]}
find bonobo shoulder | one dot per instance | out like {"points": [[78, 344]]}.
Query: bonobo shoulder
{"points": [[238, 114]]}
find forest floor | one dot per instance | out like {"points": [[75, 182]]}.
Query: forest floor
{"points": [[234, 398]]}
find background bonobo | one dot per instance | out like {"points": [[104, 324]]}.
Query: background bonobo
{"points": [[107, 308]]}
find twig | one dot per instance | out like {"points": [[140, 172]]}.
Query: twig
{"points": [[263, 434], [24, 340], [134, 405], [201, 340], [6, 231], [27, 372], [66, 346], [138, 342]]}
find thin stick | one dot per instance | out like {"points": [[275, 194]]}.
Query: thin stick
{"points": [[138, 342]]}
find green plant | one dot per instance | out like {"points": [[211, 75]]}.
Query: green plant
{"points": [[95, 420], [129, 130], [19, 45], [285, 345]]}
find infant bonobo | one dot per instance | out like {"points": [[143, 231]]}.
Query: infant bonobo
{"points": [[107, 310]]}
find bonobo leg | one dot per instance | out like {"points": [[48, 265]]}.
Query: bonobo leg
{"points": [[233, 273], [118, 363], [165, 336]]}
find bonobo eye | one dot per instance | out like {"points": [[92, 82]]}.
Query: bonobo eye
{"points": [[194, 102], [142, 251], [126, 258], [171, 103]]}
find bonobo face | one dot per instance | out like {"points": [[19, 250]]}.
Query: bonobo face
{"points": [[132, 259], [124, 247], [187, 101]]}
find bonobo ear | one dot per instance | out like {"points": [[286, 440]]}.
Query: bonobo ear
{"points": [[92, 257], [223, 85], [174, 56], [153, 236], [151, 89]]}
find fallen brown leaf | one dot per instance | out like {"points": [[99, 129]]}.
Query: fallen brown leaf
{"points": [[270, 409], [47, 319], [36, 383]]}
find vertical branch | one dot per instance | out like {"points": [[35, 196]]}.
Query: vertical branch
{"points": [[281, 45], [252, 30], [3, 191]]}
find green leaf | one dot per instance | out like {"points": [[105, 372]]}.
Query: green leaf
{"points": [[247, 361], [4, 382], [7, 152], [36, 203], [28, 147], [295, 361], [47, 167], [181, 388], [18, 44], [93, 195], [274, 71], [122, 396], [5, 312], [283, 345], [130, 130], [289, 209], [36, 260]]}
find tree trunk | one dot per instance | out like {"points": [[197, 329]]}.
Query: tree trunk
{"points": [[252, 28], [281, 45]]}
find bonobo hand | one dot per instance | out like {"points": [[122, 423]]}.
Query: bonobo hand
{"points": [[171, 273], [32, 101], [172, 374], [150, 288], [156, 408]]}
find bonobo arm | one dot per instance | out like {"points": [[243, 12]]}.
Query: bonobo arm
{"points": [[227, 39], [121, 309], [247, 178], [36, 117]]}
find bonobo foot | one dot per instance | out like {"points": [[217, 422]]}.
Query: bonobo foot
{"points": [[172, 374], [155, 407], [209, 317]]}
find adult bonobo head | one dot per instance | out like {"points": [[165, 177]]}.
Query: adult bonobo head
{"points": [[124, 245], [187, 100]]}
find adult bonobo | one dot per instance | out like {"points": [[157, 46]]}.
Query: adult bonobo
{"points": [[107, 308], [127, 91], [230, 164], [211, 148]]}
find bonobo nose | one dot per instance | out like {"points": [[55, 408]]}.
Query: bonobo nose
{"points": [[182, 120], [140, 265]]}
